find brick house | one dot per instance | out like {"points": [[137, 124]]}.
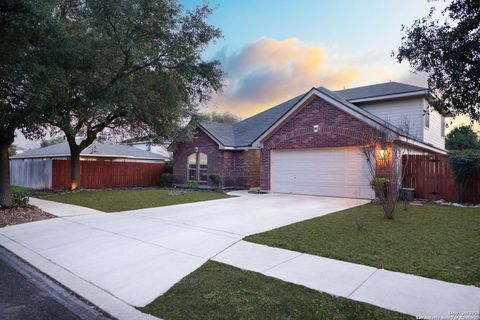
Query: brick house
{"points": [[311, 143]]}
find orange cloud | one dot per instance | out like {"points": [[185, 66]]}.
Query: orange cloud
{"points": [[270, 71]]}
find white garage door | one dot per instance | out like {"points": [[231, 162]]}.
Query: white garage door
{"points": [[337, 172]]}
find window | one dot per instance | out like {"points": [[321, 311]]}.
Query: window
{"points": [[426, 116], [192, 166], [202, 167], [198, 167], [442, 124]]}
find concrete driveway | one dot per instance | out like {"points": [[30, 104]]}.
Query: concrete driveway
{"points": [[138, 255]]}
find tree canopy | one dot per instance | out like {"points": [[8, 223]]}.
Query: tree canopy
{"points": [[463, 137], [225, 117], [25, 26], [127, 68], [52, 141], [449, 51]]}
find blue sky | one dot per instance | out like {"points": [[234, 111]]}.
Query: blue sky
{"points": [[352, 26]]}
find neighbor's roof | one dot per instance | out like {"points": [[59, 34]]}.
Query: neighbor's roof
{"points": [[244, 133], [98, 149]]}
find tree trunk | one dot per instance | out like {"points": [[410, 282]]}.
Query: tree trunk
{"points": [[5, 192], [75, 170]]}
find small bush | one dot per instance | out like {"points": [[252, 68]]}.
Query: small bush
{"points": [[192, 184], [214, 180], [167, 179], [380, 185], [168, 167], [20, 199]]}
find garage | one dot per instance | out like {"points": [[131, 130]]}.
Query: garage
{"points": [[336, 172]]}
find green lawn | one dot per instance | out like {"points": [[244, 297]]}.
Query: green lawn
{"points": [[121, 200], [218, 291], [433, 241]]}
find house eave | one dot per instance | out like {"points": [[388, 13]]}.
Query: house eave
{"points": [[422, 145]]}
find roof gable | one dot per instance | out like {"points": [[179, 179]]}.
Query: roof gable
{"points": [[337, 101]]}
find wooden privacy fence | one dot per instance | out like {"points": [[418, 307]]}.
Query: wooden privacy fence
{"points": [[432, 178], [108, 174]]}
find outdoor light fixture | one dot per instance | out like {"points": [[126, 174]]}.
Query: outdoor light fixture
{"points": [[382, 154]]}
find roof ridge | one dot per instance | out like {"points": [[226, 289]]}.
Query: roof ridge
{"points": [[380, 84]]}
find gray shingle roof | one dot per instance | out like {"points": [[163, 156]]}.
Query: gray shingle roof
{"points": [[223, 132], [96, 149], [377, 90], [244, 133]]}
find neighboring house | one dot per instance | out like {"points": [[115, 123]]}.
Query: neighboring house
{"points": [[102, 165], [310, 144], [148, 144], [96, 151]]}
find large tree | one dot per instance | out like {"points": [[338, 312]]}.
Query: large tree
{"points": [[128, 66], [449, 51], [24, 24]]}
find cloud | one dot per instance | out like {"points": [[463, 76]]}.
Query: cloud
{"points": [[270, 71]]}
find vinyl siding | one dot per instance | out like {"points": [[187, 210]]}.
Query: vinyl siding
{"points": [[433, 134], [399, 111]]}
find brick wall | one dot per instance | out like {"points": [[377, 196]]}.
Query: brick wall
{"points": [[236, 168], [336, 129]]}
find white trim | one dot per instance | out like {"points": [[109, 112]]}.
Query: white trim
{"points": [[352, 109], [422, 145], [390, 96]]}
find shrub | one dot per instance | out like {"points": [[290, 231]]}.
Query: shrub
{"points": [[167, 179], [168, 167], [464, 164], [20, 198], [380, 186], [192, 184], [214, 180]]}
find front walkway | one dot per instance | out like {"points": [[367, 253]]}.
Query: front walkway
{"points": [[405, 293], [61, 209]]}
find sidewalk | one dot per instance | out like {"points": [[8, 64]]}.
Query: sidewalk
{"points": [[405, 293], [62, 209]]}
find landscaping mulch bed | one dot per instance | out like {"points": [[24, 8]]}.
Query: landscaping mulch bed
{"points": [[17, 215]]}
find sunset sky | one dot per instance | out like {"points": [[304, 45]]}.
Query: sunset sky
{"points": [[274, 50]]}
